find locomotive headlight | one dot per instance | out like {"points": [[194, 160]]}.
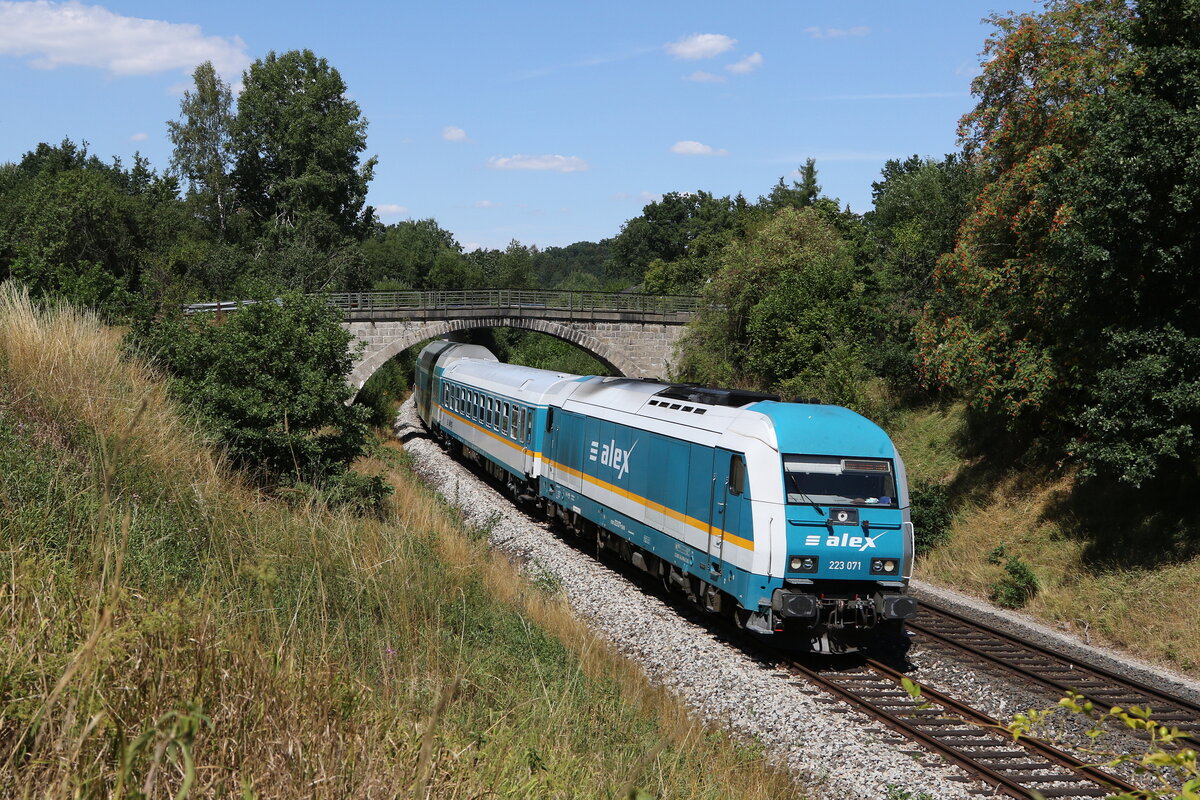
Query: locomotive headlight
{"points": [[803, 563], [884, 566]]}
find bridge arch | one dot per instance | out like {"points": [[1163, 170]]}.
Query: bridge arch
{"points": [[384, 341]]}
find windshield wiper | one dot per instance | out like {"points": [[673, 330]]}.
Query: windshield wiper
{"points": [[808, 501]]}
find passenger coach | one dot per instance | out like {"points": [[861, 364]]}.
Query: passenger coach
{"points": [[791, 517]]}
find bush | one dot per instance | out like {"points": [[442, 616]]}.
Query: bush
{"points": [[1019, 583], [269, 381], [930, 515]]}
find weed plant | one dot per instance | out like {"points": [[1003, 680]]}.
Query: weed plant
{"points": [[169, 631]]}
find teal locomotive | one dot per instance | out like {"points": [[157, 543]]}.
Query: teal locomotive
{"points": [[791, 518]]}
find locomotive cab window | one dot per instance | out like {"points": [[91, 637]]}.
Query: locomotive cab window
{"points": [[737, 475], [831, 480]]}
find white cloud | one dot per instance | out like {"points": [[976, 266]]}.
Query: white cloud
{"points": [[689, 148], [746, 65], [486, 204], [74, 34], [837, 33], [391, 210], [700, 45], [453, 134], [545, 162], [700, 76], [139, 137]]}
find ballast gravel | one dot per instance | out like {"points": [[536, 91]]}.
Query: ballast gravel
{"points": [[838, 752]]}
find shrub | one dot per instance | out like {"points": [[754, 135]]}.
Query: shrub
{"points": [[269, 381], [1019, 583]]}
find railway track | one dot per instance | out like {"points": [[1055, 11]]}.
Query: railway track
{"points": [[938, 723], [1024, 769], [1054, 671]]}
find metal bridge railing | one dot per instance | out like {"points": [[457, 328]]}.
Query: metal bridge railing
{"points": [[467, 299], [513, 298]]}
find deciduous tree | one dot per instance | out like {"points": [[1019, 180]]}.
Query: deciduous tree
{"points": [[203, 153], [297, 139]]}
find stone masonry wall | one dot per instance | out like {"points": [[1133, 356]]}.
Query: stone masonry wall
{"points": [[634, 349]]}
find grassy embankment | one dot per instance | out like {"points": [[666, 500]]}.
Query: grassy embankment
{"points": [[167, 629], [1112, 568]]}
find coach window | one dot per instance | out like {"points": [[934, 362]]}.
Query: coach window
{"points": [[737, 475], [529, 429]]}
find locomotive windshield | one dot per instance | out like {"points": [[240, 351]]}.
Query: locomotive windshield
{"points": [[823, 480]]}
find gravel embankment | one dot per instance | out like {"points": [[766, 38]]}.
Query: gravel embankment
{"points": [[841, 753]]}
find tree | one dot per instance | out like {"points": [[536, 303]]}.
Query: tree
{"points": [[270, 382], [202, 140], [993, 329], [800, 194], [515, 267], [782, 312], [918, 207], [76, 227], [406, 251], [670, 229], [1126, 249], [297, 139]]}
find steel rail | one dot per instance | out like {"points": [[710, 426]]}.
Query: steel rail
{"points": [[995, 775], [1119, 691]]}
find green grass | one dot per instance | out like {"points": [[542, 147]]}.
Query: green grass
{"points": [[170, 631]]}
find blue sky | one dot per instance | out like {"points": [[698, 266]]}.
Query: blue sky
{"points": [[545, 122]]}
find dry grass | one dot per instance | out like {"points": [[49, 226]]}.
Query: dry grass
{"points": [[168, 632], [1146, 610]]}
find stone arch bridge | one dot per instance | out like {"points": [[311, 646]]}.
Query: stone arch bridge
{"points": [[633, 334]]}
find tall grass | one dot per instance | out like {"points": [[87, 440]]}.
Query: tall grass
{"points": [[170, 632]]}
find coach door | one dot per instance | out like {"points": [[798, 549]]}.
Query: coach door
{"points": [[728, 495]]}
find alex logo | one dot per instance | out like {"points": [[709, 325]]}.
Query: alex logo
{"points": [[845, 540], [610, 455]]}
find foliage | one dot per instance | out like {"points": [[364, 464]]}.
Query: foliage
{"points": [[800, 194], [1018, 585], [994, 329], [203, 148], [76, 227], [931, 514], [918, 207], [1128, 247], [679, 226], [385, 388], [408, 251], [555, 266], [270, 383], [297, 139], [783, 302], [1172, 766]]}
